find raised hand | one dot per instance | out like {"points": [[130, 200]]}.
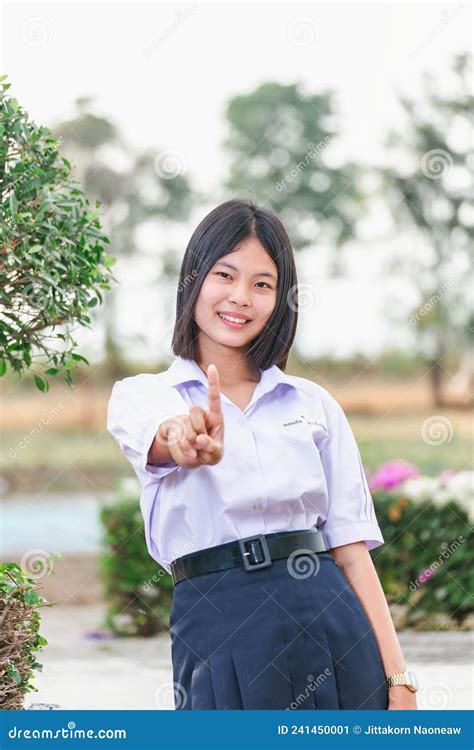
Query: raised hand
{"points": [[197, 438]]}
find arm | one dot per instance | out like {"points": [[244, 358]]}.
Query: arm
{"points": [[159, 452], [358, 568]]}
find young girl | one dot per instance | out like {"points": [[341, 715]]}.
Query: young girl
{"points": [[254, 496]]}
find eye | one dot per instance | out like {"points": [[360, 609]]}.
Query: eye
{"points": [[227, 274]]}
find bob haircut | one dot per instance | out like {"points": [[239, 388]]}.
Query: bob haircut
{"points": [[221, 232]]}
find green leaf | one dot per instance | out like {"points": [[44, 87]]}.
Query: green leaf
{"points": [[3, 367], [41, 384]]}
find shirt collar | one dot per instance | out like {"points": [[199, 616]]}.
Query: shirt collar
{"points": [[187, 370]]}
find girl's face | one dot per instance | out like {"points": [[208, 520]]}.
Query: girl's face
{"points": [[247, 290]]}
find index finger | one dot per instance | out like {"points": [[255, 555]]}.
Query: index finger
{"points": [[214, 394]]}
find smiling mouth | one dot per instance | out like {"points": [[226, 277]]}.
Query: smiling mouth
{"points": [[235, 322]]}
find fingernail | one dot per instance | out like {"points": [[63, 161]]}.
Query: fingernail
{"points": [[192, 453]]}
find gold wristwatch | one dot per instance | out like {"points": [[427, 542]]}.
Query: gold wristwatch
{"points": [[403, 678]]}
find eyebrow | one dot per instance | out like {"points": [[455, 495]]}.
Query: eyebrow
{"points": [[262, 273]]}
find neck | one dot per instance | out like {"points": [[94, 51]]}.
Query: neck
{"points": [[230, 363]]}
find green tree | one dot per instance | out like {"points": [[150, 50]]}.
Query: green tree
{"points": [[430, 187], [279, 140], [147, 188], [53, 265]]}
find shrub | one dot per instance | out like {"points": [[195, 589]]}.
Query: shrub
{"points": [[53, 265], [19, 639], [138, 590]]}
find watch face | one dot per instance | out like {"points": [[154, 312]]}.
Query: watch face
{"points": [[413, 679]]}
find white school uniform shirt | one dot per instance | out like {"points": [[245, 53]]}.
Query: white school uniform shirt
{"points": [[290, 462]]}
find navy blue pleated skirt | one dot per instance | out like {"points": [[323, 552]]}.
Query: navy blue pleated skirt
{"points": [[290, 636]]}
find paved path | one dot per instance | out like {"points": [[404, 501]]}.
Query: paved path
{"points": [[133, 673]]}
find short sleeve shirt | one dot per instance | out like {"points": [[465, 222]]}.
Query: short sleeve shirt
{"points": [[290, 462]]}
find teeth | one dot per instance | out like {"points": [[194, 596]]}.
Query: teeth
{"points": [[233, 320]]}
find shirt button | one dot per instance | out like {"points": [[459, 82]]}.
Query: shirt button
{"points": [[257, 506]]}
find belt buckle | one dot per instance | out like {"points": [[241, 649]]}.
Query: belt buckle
{"points": [[246, 554]]}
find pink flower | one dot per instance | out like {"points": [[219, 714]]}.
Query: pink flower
{"points": [[392, 474], [427, 574], [446, 475]]}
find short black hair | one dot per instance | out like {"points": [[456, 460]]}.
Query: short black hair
{"points": [[221, 232]]}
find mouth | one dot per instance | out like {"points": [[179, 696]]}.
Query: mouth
{"points": [[235, 323]]}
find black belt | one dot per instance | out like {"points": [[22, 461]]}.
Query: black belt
{"points": [[253, 552]]}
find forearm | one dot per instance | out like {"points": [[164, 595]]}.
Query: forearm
{"points": [[159, 452], [361, 575]]}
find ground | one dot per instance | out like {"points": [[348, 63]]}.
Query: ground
{"points": [[130, 673]]}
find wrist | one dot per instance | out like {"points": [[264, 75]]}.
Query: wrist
{"points": [[405, 679]]}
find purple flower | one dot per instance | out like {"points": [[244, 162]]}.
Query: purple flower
{"points": [[392, 474], [98, 635]]}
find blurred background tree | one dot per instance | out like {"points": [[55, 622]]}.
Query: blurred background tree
{"points": [[282, 143], [136, 190], [430, 188]]}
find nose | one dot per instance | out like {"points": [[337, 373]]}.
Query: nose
{"points": [[238, 295]]}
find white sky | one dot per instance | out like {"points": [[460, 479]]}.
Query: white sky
{"points": [[164, 72]]}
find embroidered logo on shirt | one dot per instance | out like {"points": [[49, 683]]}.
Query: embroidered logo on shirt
{"points": [[303, 420]]}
